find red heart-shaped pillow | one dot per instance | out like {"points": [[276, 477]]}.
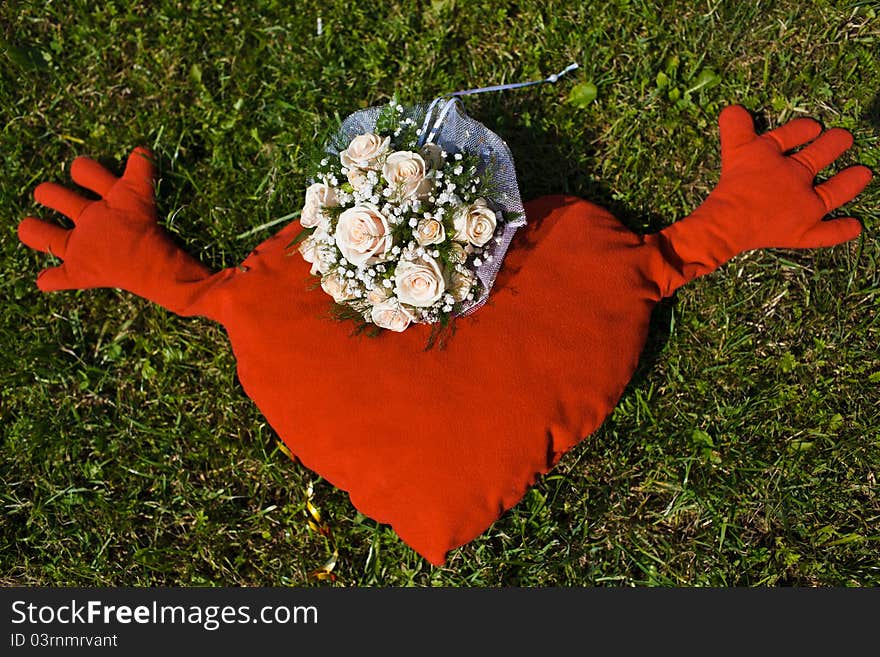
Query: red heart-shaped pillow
{"points": [[440, 442]]}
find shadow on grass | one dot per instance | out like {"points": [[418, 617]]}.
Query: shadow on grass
{"points": [[545, 165], [872, 114]]}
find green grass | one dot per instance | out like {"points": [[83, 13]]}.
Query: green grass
{"points": [[745, 451]]}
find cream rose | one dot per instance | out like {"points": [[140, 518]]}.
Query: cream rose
{"points": [[337, 287], [475, 223], [429, 231], [406, 171], [318, 197], [365, 152], [362, 235], [419, 282], [390, 315]]}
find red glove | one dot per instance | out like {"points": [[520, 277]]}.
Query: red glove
{"points": [[764, 198], [116, 241]]}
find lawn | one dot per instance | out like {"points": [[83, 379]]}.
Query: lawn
{"points": [[744, 452]]}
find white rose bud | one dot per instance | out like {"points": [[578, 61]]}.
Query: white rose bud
{"points": [[475, 223], [433, 156], [308, 249], [405, 170], [365, 152], [318, 197], [362, 235], [419, 282], [315, 251], [429, 231], [357, 179], [378, 294], [310, 252], [460, 283], [457, 254], [324, 194], [424, 189], [337, 287], [390, 315]]}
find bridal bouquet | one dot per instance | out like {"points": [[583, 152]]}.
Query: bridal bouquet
{"points": [[409, 215]]}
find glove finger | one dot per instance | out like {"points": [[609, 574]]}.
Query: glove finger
{"points": [[60, 198], [831, 232], [736, 127], [55, 278], [844, 187], [795, 133], [43, 236], [91, 175], [140, 172], [822, 152]]}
